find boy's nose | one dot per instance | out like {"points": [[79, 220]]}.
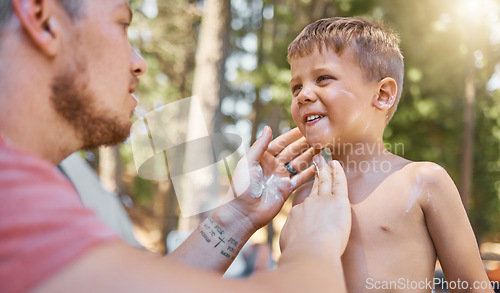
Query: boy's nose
{"points": [[306, 95]]}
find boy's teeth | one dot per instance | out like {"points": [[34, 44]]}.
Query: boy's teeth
{"points": [[312, 117]]}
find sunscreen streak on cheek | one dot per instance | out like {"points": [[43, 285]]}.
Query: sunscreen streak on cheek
{"points": [[351, 95]]}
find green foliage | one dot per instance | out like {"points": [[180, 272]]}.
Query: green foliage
{"points": [[435, 39], [142, 190], [429, 121]]}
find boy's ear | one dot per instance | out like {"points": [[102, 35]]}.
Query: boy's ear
{"points": [[39, 22], [386, 95]]}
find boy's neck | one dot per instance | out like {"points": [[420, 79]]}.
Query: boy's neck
{"points": [[361, 157]]}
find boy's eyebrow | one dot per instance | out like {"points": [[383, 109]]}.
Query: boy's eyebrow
{"points": [[315, 71], [321, 69]]}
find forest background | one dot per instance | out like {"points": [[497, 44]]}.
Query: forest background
{"points": [[232, 56]]}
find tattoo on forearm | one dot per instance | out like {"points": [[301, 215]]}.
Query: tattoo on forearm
{"points": [[216, 236]]}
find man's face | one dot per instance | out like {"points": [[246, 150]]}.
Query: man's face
{"points": [[332, 101], [99, 73]]}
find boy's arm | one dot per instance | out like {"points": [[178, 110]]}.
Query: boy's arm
{"points": [[451, 232]]}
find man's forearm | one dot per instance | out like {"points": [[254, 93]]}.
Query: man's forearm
{"points": [[305, 269], [214, 244]]}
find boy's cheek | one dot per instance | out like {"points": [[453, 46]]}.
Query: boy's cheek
{"points": [[295, 114]]}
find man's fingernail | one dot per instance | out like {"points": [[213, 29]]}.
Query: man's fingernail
{"points": [[320, 162], [317, 169], [263, 132]]}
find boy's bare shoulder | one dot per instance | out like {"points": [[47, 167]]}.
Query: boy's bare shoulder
{"points": [[433, 178], [426, 172]]}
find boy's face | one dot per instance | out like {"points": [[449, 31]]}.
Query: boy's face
{"points": [[332, 100]]}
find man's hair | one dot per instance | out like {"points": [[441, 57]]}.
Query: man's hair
{"points": [[375, 47], [72, 7]]}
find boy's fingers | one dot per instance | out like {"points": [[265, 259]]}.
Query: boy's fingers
{"points": [[282, 141], [324, 176], [339, 186], [260, 146]]}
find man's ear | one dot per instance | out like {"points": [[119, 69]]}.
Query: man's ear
{"points": [[37, 18], [386, 95]]}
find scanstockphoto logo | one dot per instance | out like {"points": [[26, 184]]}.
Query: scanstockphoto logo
{"points": [[428, 284], [173, 143]]}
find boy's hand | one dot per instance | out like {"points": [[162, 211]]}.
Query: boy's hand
{"points": [[323, 220], [261, 183]]}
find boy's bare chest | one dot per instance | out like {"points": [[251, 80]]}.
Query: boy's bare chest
{"points": [[386, 209], [388, 233]]}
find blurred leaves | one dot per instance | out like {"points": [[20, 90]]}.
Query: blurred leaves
{"points": [[429, 120]]}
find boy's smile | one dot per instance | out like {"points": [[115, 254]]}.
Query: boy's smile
{"points": [[332, 100]]}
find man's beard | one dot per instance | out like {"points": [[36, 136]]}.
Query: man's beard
{"points": [[73, 101]]}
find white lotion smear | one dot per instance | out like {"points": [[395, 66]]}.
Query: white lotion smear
{"points": [[348, 93], [273, 186], [257, 185]]}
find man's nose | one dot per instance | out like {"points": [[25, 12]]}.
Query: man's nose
{"points": [[138, 64]]}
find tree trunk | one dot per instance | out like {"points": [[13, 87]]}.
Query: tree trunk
{"points": [[257, 107], [165, 210], [110, 168], [208, 87], [468, 138]]}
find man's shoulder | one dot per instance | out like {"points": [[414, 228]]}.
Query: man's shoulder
{"points": [[23, 174], [43, 224]]}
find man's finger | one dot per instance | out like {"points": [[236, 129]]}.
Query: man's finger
{"points": [[282, 141], [314, 190], [293, 150], [303, 161], [303, 176], [339, 186], [324, 177], [260, 145]]}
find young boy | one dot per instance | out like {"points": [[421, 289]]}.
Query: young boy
{"points": [[347, 76]]}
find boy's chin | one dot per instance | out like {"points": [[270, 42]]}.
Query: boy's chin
{"points": [[318, 144]]}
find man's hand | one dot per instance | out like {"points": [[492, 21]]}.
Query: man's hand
{"points": [[261, 183], [322, 222]]}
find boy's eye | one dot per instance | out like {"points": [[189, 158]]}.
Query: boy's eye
{"points": [[323, 78], [296, 89]]}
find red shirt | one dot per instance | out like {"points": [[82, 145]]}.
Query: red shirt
{"points": [[43, 224]]}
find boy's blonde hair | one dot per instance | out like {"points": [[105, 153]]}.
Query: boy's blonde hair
{"points": [[375, 47]]}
